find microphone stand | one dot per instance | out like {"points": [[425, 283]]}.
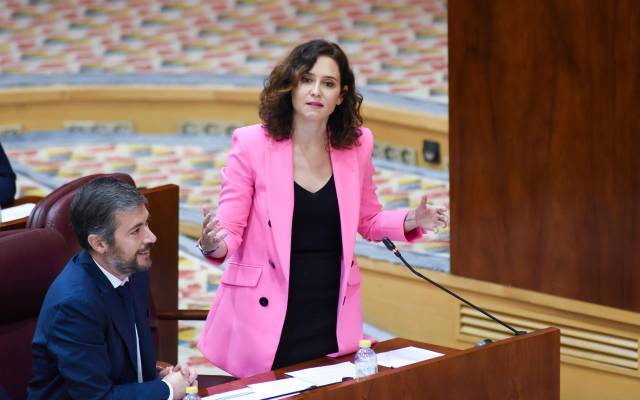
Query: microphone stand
{"points": [[392, 247]]}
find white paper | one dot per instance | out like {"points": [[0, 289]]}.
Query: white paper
{"points": [[326, 375], [17, 212], [265, 390], [405, 356], [279, 387], [239, 394]]}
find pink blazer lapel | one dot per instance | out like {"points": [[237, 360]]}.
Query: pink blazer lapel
{"points": [[279, 182], [279, 179], [345, 175]]}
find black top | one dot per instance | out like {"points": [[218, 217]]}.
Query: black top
{"points": [[309, 329]]}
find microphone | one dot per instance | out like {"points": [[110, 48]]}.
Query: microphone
{"points": [[392, 247]]}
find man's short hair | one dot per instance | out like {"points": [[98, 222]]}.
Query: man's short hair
{"points": [[94, 208]]}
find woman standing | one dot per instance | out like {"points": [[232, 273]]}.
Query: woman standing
{"points": [[295, 191]]}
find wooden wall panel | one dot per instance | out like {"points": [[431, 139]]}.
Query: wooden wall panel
{"points": [[544, 142], [163, 205]]}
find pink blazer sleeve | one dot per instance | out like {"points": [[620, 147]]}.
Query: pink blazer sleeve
{"points": [[236, 196], [375, 223]]}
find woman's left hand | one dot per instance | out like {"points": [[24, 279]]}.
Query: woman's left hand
{"points": [[426, 216]]}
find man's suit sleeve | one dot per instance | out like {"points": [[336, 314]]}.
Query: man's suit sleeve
{"points": [[77, 342], [7, 180]]}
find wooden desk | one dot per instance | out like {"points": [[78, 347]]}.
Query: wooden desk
{"points": [[15, 224], [522, 367], [280, 373], [19, 223]]}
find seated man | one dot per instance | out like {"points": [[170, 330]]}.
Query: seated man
{"points": [[92, 339], [7, 180]]}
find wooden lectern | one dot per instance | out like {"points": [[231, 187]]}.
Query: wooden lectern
{"points": [[521, 367]]}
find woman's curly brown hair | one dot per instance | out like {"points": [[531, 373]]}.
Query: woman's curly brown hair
{"points": [[276, 108]]}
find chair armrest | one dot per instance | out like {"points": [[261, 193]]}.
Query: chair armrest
{"points": [[160, 365], [183, 315]]}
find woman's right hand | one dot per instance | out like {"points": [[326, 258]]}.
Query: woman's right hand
{"points": [[211, 240]]}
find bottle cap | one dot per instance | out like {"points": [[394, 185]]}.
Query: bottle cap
{"points": [[192, 390], [365, 343]]}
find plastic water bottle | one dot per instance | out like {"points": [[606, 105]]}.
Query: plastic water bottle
{"points": [[366, 360], [192, 393]]}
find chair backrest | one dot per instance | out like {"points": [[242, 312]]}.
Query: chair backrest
{"points": [[54, 210], [30, 261]]}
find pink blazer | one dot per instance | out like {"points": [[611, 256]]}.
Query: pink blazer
{"points": [[243, 328]]}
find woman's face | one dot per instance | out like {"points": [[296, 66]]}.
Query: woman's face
{"points": [[318, 92]]}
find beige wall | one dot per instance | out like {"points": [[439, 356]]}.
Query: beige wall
{"points": [[162, 109]]}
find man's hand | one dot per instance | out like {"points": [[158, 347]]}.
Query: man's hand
{"points": [[165, 371], [178, 383], [189, 373]]}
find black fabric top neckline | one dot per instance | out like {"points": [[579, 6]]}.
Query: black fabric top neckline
{"points": [[317, 191]]}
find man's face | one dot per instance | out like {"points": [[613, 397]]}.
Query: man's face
{"points": [[133, 239]]}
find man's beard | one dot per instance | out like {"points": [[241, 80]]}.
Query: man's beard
{"points": [[127, 267]]}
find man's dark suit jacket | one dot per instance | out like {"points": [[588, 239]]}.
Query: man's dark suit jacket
{"points": [[7, 180], [84, 347]]}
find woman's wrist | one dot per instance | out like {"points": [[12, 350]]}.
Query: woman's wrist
{"points": [[205, 252], [410, 222], [220, 251]]}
